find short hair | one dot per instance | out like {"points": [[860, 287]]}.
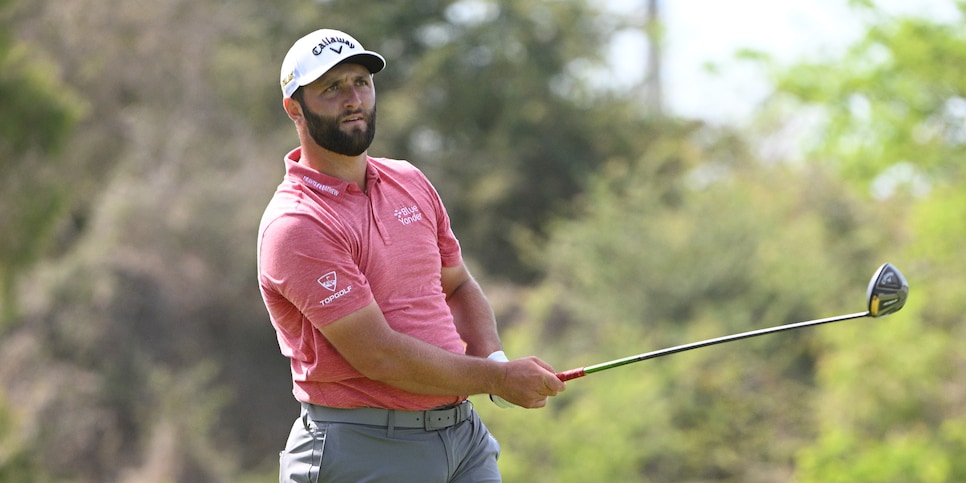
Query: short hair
{"points": [[299, 96]]}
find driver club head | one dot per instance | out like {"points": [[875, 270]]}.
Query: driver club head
{"points": [[887, 292]]}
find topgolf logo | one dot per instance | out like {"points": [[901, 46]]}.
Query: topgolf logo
{"points": [[330, 282]]}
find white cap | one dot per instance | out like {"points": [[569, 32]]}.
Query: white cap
{"points": [[313, 55]]}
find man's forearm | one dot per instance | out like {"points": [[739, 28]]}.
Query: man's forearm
{"points": [[425, 369], [365, 340], [474, 319]]}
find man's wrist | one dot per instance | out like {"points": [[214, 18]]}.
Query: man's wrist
{"points": [[499, 356]]}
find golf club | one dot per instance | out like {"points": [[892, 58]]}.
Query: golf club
{"points": [[886, 294]]}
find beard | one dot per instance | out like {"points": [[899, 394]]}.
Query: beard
{"points": [[327, 133]]}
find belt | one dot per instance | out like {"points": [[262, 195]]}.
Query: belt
{"points": [[430, 419]]}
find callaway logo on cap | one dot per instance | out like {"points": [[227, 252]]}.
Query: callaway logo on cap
{"points": [[313, 55]]}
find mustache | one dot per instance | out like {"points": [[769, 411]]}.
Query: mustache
{"points": [[357, 112]]}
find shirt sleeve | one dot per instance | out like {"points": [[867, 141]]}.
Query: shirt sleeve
{"points": [[311, 267], [449, 245]]}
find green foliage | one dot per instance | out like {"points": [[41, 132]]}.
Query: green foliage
{"points": [[895, 103], [15, 461], [843, 459], [38, 113], [671, 249], [891, 398], [37, 116]]}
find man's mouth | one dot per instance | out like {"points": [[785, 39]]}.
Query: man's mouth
{"points": [[353, 119]]}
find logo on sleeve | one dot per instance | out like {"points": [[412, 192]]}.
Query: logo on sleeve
{"points": [[330, 282]]}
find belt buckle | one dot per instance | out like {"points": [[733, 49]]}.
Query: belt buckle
{"points": [[436, 419]]}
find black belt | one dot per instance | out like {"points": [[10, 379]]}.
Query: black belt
{"points": [[430, 419]]}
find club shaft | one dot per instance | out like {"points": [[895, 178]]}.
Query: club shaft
{"points": [[583, 371]]}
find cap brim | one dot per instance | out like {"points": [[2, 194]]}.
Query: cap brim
{"points": [[370, 60]]}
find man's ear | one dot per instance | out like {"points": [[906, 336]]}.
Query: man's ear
{"points": [[292, 108]]}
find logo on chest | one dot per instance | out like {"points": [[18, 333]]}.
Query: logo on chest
{"points": [[408, 215]]}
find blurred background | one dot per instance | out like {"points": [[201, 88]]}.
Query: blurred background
{"points": [[624, 176]]}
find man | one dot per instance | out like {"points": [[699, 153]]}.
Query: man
{"points": [[386, 330]]}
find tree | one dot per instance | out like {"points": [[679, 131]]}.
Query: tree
{"points": [[689, 241], [145, 318], [890, 117], [37, 116], [150, 294]]}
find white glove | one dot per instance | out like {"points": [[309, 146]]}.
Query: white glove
{"points": [[499, 356]]}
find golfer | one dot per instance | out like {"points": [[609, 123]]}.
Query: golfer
{"points": [[386, 330]]}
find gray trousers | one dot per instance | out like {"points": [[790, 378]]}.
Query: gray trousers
{"points": [[319, 451]]}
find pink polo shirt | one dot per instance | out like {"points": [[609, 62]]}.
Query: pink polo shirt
{"points": [[326, 249]]}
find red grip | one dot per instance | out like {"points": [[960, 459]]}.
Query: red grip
{"points": [[571, 374]]}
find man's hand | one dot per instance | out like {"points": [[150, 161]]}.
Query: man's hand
{"points": [[529, 381]]}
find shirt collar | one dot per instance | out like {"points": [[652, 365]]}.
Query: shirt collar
{"points": [[322, 183]]}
